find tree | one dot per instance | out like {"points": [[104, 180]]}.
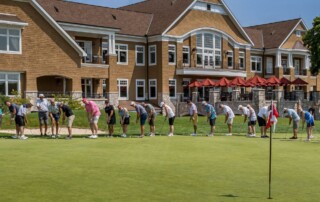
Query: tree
{"points": [[312, 42]]}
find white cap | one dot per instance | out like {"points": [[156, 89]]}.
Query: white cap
{"points": [[132, 103], [161, 104], [41, 95], [239, 107], [204, 103]]}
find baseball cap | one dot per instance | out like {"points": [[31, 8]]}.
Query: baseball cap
{"points": [[204, 103], [84, 100], [41, 95], [132, 103], [161, 104], [239, 107]]}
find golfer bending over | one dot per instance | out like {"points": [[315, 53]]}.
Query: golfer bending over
{"points": [[169, 114], [307, 118], [142, 115], [211, 117], [111, 117], [262, 120], [292, 115], [193, 112], [93, 115], [229, 116], [124, 119], [67, 112], [250, 115], [151, 117], [54, 115]]}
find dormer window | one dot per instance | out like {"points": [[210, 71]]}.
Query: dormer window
{"points": [[298, 33]]}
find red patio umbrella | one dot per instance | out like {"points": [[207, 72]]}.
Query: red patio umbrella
{"points": [[223, 82], [273, 81], [299, 82], [256, 81], [285, 82], [238, 81], [195, 84], [208, 83]]}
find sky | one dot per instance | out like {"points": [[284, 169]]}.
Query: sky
{"points": [[250, 12]]}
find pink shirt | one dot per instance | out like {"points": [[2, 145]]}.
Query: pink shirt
{"points": [[91, 107]]}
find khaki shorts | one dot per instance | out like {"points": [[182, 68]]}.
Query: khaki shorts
{"points": [[195, 119], [230, 121], [70, 120], [94, 119]]}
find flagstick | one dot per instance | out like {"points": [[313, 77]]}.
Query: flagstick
{"points": [[270, 154]]}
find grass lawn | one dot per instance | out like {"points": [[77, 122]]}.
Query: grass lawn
{"points": [[181, 168]]}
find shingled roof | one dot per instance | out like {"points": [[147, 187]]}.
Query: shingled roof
{"points": [[129, 22], [10, 18], [274, 34], [165, 12]]}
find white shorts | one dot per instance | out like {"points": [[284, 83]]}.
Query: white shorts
{"points": [[230, 121], [94, 119]]}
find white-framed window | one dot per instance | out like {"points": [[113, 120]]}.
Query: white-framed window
{"points": [[105, 46], [186, 55], [122, 54], [298, 33], [172, 54], [269, 65], [87, 47], [256, 64], [208, 50], [297, 66], [172, 88], [153, 89], [153, 55], [123, 89], [186, 88], [140, 58], [242, 62], [140, 89], [9, 82], [10, 40], [86, 84], [230, 59]]}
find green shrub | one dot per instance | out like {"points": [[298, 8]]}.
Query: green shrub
{"points": [[74, 104]]}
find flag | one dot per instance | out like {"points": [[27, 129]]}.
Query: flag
{"points": [[273, 115]]}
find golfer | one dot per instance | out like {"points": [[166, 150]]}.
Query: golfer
{"points": [[229, 116], [193, 112], [21, 119], [307, 117], [250, 115], [142, 115], [67, 112], [262, 120], [170, 115], [42, 105], [93, 115], [54, 115], [110, 118], [151, 117], [211, 117], [292, 115], [13, 108], [124, 119]]}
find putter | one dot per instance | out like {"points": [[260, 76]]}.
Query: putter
{"points": [[162, 126]]}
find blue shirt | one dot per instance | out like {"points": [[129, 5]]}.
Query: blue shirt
{"points": [[308, 117], [210, 109]]}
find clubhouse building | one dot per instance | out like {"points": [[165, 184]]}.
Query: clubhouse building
{"points": [[148, 51]]}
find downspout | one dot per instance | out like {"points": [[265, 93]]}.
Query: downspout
{"points": [[147, 66]]}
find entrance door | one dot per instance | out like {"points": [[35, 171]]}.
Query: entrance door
{"points": [[208, 59]]}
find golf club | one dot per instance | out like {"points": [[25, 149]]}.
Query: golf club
{"points": [[165, 119]]}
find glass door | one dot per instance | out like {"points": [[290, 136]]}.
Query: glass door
{"points": [[208, 59]]}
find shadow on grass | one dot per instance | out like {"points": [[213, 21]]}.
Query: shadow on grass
{"points": [[229, 195]]}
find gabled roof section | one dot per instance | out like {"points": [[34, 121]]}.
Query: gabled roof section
{"points": [[274, 34], [299, 46], [129, 23], [256, 37], [165, 12]]}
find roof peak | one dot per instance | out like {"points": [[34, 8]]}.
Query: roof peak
{"points": [[276, 22]]}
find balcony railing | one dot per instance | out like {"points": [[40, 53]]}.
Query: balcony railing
{"points": [[52, 94], [95, 59]]}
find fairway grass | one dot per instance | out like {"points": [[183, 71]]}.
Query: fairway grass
{"points": [[180, 168]]}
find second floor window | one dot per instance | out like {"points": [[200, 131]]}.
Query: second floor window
{"points": [[256, 64], [122, 53], [10, 40], [230, 59], [172, 54], [172, 88], [105, 46], [241, 60], [186, 55], [208, 50], [140, 55], [269, 65], [297, 67], [153, 55]]}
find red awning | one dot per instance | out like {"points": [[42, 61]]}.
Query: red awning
{"points": [[195, 84], [223, 82], [273, 81], [208, 83], [299, 82], [285, 82], [256, 81], [238, 81]]}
